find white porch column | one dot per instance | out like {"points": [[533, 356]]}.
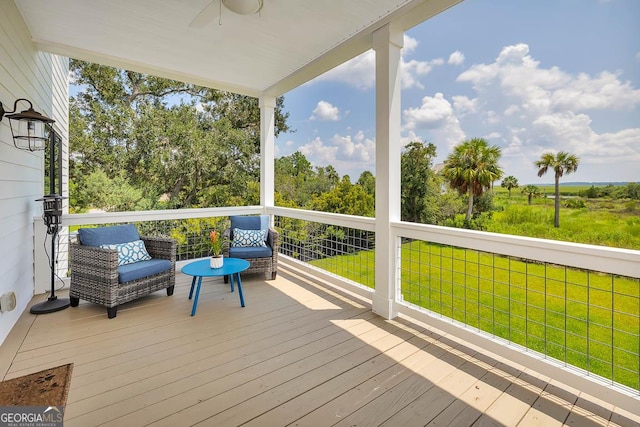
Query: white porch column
{"points": [[387, 43], [267, 150]]}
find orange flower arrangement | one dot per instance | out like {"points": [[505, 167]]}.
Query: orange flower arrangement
{"points": [[216, 243]]}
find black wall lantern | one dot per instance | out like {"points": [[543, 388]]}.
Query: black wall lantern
{"points": [[28, 127], [29, 131]]}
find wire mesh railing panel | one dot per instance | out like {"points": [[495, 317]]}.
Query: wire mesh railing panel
{"points": [[192, 235], [343, 251], [582, 318]]}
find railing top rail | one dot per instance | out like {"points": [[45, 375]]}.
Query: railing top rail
{"points": [[115, 217], [351, 221], [625, 262], [598, 258]]}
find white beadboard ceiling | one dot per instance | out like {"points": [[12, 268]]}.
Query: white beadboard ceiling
{"points": [[287, 44]]}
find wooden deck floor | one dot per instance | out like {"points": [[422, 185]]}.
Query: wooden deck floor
{"points": [[300, 353]]}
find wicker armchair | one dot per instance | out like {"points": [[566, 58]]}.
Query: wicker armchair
{"points": [[267, 262], [96, 276]]}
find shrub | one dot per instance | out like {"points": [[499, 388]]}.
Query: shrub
{"points": [[575, 204], [631, 206]]}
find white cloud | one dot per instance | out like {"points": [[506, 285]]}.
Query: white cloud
{"points": [[356, 148], [318, 153], [410, 137], [437, 115], [409, 44], [433, 112], [511, 110], [517, 75], [413, 69], [285, 148], [463, 105], [456, 58], [577, 136], [493, 135], [535, 109], [350, 153], [491, 118], [359, 72], [325, 111], [527, 109], [602, 92]]}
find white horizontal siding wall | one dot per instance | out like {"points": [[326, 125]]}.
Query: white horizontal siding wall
{"points": [[41, 78], [58, 81]]}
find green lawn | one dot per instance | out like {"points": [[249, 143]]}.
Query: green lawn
{"points": [[604, 222], [588, 319]]}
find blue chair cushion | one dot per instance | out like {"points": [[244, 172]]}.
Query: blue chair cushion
{"points": [[108, 235], [250, 252], [140, 269], [256, 222]]}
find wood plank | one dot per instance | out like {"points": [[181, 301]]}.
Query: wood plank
{"points": [[206, 383], [240, 331], [426, 407], [464, 413], [511, 406], [316, 397], [479, 397], [300, 354], [621, 417], [112, 344], [402, 394], [366, 392], [276, 396], [102, 340], [237, 390], [552, 407], [197, 368], [222, 349]]}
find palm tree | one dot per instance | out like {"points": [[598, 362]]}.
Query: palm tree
{"points": [[471, 169], [561, 163], [509, 183], [531, 191]]}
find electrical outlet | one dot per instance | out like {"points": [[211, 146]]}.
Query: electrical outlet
{"points": [[8, 301]]}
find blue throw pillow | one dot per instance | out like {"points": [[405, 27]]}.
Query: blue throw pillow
{"points": [[252, 222], [110, 235], [130, 252], [248, 238]]}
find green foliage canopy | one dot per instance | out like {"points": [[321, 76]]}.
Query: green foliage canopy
{"points": [[179, 144], [509, 183], [560, 163], [531, 191], [471, 169]]}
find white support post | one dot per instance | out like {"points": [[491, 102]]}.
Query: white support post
{"points": [[387, 43], [267, 150]]}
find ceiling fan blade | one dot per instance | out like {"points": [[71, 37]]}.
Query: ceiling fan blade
{"points": [[206, 15]]}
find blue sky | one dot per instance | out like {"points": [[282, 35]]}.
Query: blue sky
{"points": [[528, 76]]}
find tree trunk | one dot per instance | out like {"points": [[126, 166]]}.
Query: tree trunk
{"points": [[470, 207], [530, 197], [556, 217]]}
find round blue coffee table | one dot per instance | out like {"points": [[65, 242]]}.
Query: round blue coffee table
{"points": [[232, 267]]}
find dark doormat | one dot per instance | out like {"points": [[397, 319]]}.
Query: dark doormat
{"points": [[49, 387]]}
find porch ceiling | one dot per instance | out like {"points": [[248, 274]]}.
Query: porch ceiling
{"points": [[289, 43]]}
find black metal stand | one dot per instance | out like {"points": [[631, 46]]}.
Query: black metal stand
{"points": [[52, 220], [52, 205]]}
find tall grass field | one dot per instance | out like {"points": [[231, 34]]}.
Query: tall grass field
{"points": [[587, 319], [604, 221]]}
